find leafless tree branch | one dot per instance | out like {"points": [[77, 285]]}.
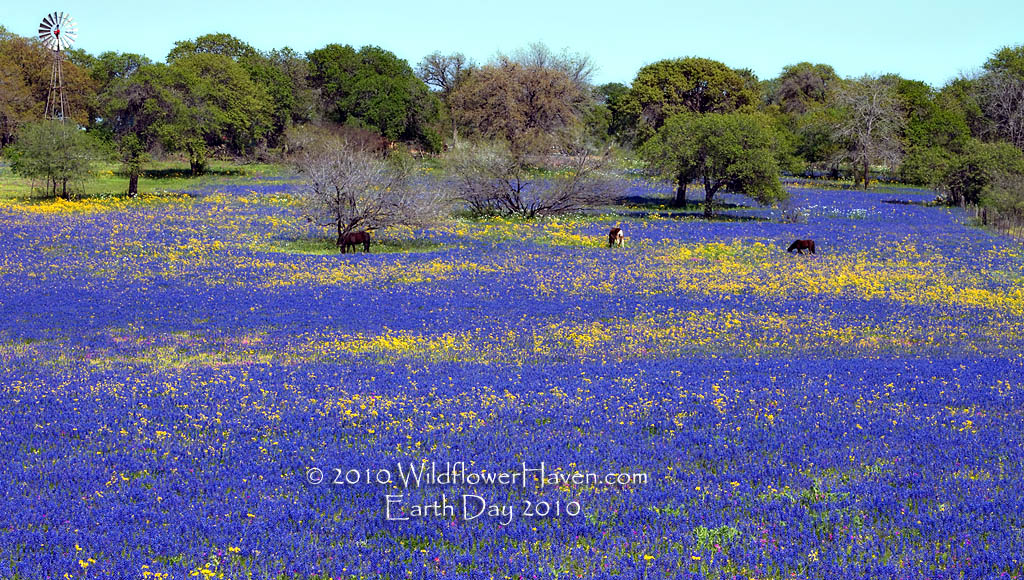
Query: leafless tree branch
{"points": [[350, 189]]}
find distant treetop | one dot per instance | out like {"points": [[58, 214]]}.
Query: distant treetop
{"points": [[217, 43]]}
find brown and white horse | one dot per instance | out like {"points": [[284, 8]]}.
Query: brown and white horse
{"points": [[615, 237]]}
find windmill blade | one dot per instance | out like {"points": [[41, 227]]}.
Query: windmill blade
{"points": [[58, 31], [45, 26]]}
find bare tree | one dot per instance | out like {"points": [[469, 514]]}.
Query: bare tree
{"points": [[1002, 99], [492, 179], [350, 189], [445, 72], [870, 125]]}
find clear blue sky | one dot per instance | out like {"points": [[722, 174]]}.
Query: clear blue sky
{"points": [[932, 41]]}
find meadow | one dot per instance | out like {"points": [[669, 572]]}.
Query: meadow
{"points": [[178, 367]]}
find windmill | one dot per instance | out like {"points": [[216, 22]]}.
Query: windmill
{"points": [[57, 32]]}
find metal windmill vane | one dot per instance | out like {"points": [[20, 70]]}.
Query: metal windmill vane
{"points": [[57, 32]]}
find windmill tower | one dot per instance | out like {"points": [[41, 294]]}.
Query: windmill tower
{"points": [[57, 32]]}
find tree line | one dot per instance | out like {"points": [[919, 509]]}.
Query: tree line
{"points": [[692, 120]]}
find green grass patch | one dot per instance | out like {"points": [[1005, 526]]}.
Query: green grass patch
{"points": [[107, 180]]}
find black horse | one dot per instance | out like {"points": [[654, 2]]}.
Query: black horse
{"points": [[352, 239], [800, 245]]}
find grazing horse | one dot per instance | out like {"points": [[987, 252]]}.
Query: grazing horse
{"points": [[352, 239], [800, 245], [615, 237]]}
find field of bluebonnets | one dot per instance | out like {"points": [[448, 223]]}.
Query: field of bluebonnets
{"points": [[175, 373]]}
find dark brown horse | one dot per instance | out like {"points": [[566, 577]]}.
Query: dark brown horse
{"points": [[800, 245], [352, 239], [615, 237]]}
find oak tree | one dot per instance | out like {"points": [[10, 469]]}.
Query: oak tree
{"points": [[55, 152], [803, 86], [670, 87], [732, 152], [374, 89]]}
